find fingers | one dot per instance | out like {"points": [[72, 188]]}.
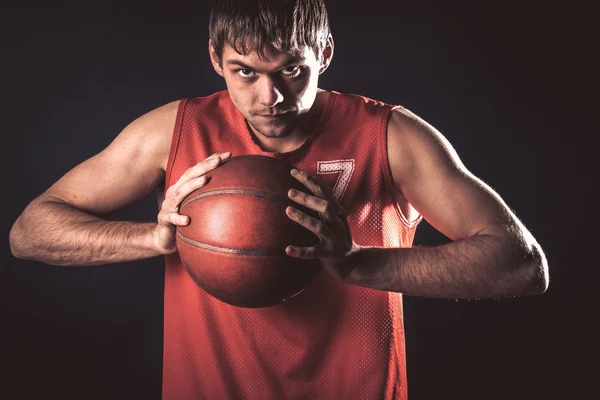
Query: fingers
{"points": [[314, 203], [314, 225], [184, 190], [189, 181], [323, 200], [308, 181], [332, 228], [192, 179], [304, 252], [172, 218], [170, 207], [203, 167]]}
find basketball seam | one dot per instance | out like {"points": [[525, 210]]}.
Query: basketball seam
{"points": [[228, 250], [236, 191]]}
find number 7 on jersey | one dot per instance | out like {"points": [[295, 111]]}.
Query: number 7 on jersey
{"points": [[344, 169]]}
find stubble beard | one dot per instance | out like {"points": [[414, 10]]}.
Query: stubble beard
{"points": [[277, 132]]}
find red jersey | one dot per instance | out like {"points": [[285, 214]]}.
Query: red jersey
{"points": [[333, 340]]}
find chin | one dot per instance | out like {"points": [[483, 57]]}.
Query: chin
{"points": [[277, 133], [274, 131]]}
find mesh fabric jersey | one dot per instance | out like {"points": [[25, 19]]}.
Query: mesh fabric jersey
{"points": [[333, 340]]}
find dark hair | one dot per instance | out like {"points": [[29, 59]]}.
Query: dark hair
{"points": [[253, 25]]}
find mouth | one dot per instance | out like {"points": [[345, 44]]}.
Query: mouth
{"points": [[275, 118], [276, 115]]}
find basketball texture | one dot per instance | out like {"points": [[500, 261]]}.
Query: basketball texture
{"points": [[234, 245]]}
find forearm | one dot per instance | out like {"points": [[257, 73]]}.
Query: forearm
{"points": [[58, 234], [482, 266]]}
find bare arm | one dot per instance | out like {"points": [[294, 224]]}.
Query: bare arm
{"points": [[492, 253], [65, 225]]}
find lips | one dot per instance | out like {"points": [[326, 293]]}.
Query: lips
{"points": [[275, 115]]}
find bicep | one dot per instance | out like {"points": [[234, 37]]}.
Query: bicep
{"points": [[123, 173], [429, 173]]}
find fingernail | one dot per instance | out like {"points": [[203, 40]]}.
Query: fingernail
{"points": [[292, 193]]}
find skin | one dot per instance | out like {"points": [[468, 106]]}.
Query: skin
{"points": [[492, 255], [284, 84]]}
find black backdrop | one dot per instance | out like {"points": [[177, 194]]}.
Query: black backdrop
{"points": [[506, 84]]}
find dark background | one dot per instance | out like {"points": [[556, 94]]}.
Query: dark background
{"points": [[509, 84]]}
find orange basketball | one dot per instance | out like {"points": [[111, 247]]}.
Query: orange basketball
{"points": [[234, 245]]}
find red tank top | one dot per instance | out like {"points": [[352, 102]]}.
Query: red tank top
{"points": [[333, 340]]}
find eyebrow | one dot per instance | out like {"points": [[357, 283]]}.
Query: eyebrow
{"points": [[294, 60]]}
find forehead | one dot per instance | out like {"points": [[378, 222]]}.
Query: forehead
{"points": [[272, 56]]}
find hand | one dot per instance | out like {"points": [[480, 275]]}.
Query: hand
{"points": [[332, 229], [169, 217]]}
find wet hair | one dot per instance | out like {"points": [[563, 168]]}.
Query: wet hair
{"points": [[254, 25]]}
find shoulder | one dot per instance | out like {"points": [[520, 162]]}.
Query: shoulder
{"points": [[156, 121], [152, 132], [416, 148], [358, 101]]}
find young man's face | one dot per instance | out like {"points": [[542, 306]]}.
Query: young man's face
{"points": [[273, 94]]}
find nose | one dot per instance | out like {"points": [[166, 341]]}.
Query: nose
{"points": [[269, 94]]}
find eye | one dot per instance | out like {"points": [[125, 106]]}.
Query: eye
{"points": [[291, 71], [244, 72]]}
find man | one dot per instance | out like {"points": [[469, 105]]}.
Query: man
{"points": [[371, 170]]}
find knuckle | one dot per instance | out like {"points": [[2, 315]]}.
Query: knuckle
{"points": [[213, 158], [324, 191], [196, 170], [183, 190], [163, 217], [201, 180], [192, 185], [318, 226], [186, 175], [172, 218], [302, 218], [169, 206], [163, 207], [295, 214]]}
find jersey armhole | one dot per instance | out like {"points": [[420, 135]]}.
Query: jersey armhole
{"points": [[387, 171], [175, 141]]}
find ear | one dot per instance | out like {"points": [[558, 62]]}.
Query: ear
{"points": [[214, 58], [327, 54]]}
